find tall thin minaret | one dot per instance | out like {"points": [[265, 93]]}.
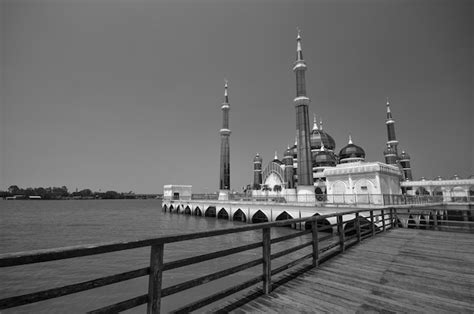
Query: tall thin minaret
{"points": [[224, 181], [304, 170], [392, 141]]}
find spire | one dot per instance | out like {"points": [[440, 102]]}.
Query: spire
{"points": [[299, 50], [321, 124], [315, 123], [226, 95], [276, 156], [296, 140], [350, 139], [389, 113]]}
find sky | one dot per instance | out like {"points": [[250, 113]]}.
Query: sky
{"points": [[126, 95]]}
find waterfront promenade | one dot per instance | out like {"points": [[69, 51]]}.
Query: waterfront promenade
{"points": [[403, 270]]}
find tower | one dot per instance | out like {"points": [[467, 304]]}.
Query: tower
{"points": [[391, 140], [289, 171], [406, 167], [224, 181], [257, 172], [305, 189]]}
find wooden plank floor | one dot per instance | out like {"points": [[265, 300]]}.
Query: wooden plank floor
{"points": [[403, 270]]}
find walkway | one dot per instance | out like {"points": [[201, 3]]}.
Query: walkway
{"points": [[404, 270]]}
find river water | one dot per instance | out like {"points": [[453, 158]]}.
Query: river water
{"points": [[32, 225]]}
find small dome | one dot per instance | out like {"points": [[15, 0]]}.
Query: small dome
{"points": [[422, 179], [324, 158], [404, 155], [288, 152], [439, 178], [257, 158], [351, 152], [389, 150], [455, 177]]}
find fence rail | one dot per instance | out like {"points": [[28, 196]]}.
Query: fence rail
{"points": [[352, 227]]}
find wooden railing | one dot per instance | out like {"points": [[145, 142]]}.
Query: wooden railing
{"points": [[351, 226]]}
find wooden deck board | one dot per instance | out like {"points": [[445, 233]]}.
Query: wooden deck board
{"points": [[403, 270]]}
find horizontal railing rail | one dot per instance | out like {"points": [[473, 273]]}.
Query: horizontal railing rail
{"points": [[351, 228], [351, 199]]}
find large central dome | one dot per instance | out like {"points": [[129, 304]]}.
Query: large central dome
{"points": [[318, 136]]}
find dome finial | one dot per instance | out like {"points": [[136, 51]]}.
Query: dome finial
{"points": [[389, 113], [299, 50], [226, 94], [276, 156], [315, 122], [296, 140], [321, 124], [350, 139]]}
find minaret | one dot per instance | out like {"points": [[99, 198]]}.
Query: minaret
{"points": [[257, 172], [289, 175], [224, 181], [392, 141], [406, 167], [305, 189]]}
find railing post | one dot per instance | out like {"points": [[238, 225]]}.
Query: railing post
{"points": [[395, 218], [383, 220], [391, 219], [314, 229], [267, 280], [357, 225], [155, 279], [340, 228], [372, 222], [435, 220]]}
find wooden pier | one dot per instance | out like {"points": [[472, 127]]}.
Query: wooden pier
{"points": [[360, 263], [403, 270]]}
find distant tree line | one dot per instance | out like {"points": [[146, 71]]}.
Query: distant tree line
{"points": [[55, 193]]}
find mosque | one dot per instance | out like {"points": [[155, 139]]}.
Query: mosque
{"points": [[341, 176], [313, 171]]}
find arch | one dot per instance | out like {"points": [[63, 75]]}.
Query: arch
{"points": [[438, 191], [197, 212], [171, 208], [411, 223], [222, 214], [362, 189], [187, 210], [421, 191], [338, 191], [422, 224], [459, 194], [284, 216], [259, 217], [239, 215], [165, 208], [322, 224], [210, 212], [178, 208]]}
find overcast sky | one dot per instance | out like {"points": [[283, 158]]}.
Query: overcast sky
{"points": [[126, 95]]}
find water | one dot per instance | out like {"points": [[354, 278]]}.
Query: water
{"points": [[32, 225]]}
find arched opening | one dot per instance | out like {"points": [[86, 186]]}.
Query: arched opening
{"points": [[399, 223], [284, 216], [422, 222], [411, 223], [171, 208], [223, 214], [178, 208], [421, 191], [323, 225], [197, 212], [210, 212], [438, 192], [187, 210], [239, 216], [364, 223], [165, 208], [259, 217]]}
